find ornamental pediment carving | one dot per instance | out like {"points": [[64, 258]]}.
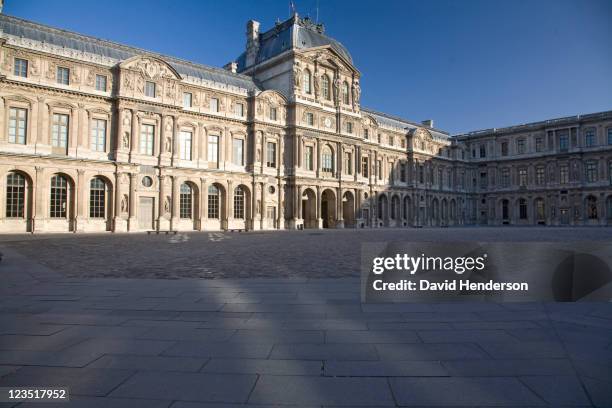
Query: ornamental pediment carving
{"points": [[151, 67]]}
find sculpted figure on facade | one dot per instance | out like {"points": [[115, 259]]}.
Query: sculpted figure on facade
{"points": [[297, 75], [356, 91], [124, 203], [337, 88]]}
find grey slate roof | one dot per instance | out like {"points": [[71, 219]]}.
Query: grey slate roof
{"points": [[38, 32], [400, 123], [294, 33]]}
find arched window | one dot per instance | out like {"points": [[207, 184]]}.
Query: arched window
{"points": [[213, 202], [58, 206], [591, 207], [394, 207], [539, 208], [522, 209], [97, 198], [186, 201], [239, 202], [345, 93], [325, 87], [327, 159], [307, 82], [505, 210], [15, 195]]}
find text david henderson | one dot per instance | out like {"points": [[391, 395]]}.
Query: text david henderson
{"points": [[426, 285]]}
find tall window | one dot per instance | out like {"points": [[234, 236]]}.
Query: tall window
{"points": [[186, 201], [307, 82], [540, 175], [402, 170], [309, 119], [366, 133], [523, 177], [563, 140], [365, 167], [379, 169], [522, 209], [213, 202], [97, 198], [349, 127], [539, 144], [540, 210], [520, 146], [327, 160], [150, 89], [591, 171], [345, 93], [309, 158], [214, 105], [18, 121], [564, 174], [591, 207], [213, 149], [273, 112], [505, 177], [59, 130], [98, 135], [348, 163], [15, 195], [483, 151], [101, 83], [59, 197], [238, 151], [589, 137], [325, 87], [21, 67], [504, 148], [239, 202], [187, 98], [185, 143], [610, 136], [271, 154], [147, 134], [63, 76], [239, 110]]}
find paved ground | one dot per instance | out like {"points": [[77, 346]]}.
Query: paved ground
{"points": [[289, 339]]}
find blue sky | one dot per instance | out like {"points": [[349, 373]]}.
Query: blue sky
{"points": [[466, 64]]}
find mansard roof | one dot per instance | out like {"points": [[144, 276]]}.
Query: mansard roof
{"points": [[111, 52], [295, 33], [403, 124]]}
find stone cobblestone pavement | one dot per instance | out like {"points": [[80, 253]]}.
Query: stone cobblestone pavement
{"points": [[286, 328]]}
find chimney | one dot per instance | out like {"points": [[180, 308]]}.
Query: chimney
{"points": [[428, 123], [231, 67], [252, 44]]}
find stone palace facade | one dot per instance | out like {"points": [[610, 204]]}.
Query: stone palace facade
{"points": [[99, 136]]}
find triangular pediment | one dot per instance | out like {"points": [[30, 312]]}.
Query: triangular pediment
{"points": [[326, 55]]}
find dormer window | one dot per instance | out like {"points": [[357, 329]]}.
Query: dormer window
{"points": [[150, 89], [325, 87], [345, 93], [307, 82], [273, 114]]}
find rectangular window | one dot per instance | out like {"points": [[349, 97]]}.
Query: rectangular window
{"points": [[589, 137], [523, 177], [98, 135], [365, 166], [402, 170], [213, 149], [520, 146], [309, 158], [539, 144], [63, 76], [272, 113], [610, 136], [483, 151], [391, 141], [150, 89], [238, 151], [563, 140], [309, 119], [505, 177], [421, 174], [18, 122], [564, 174], [271, 154], [483, 180], [504, 148], [366, 134], [187, 97], [147, 134], [349, 127], [59, 130], [239, 110], [214, 105], [101, 83], [348, 163], [379, 169], [185, 145], [540, 175], [21, 67], [591, 171]]}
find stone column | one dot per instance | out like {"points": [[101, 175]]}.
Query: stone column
{"points": [[118, 195], [339, 208], [162, 203], [175, 203], [203, 207], [79, 196], [134, 146], [262, 207], [132, 221], [319, 219], [229, 208]]}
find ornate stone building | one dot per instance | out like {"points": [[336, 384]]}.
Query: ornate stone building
{"points": [[99, 136]]}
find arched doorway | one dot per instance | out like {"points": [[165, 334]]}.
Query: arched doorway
{"points": [[309, 208], [435, 212], [348, 209], [505, 211], [609, 209], [444, 211], [18, 202], [539, 211], [590, 207], [100, 199], [328, 208], [408, 210], [216, 207], [241, 208], [395, 209], [383, 210], [61, 203], [453, 211]]}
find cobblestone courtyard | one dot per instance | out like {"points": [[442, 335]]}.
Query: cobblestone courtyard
{"points": [[286, 326]]}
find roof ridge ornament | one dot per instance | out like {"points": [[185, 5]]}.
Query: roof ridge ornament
{"points": [[306, 22]]}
